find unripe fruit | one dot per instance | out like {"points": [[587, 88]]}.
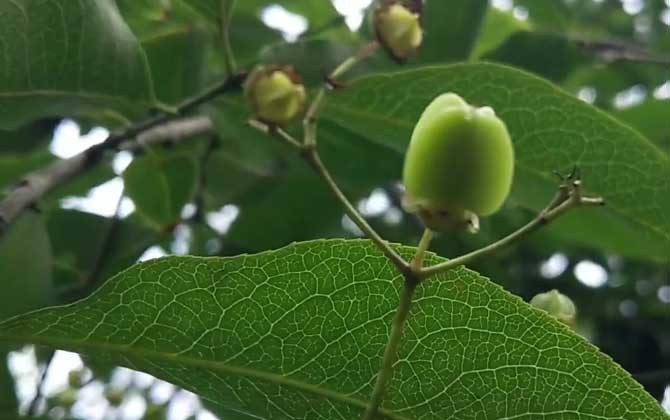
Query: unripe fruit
{"points": [[276, 94], [459, 165], [74, 379], [67, 398], [557, 305], [114, 396], [399, 30]]}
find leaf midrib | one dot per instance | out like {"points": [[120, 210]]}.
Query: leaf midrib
{"points": [[219, 367]]}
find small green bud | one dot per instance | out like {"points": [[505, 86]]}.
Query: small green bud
{"points": [[155, 412], [275, 94], [557, 305], [459, 165], [74, 379], [67, 398], [399, 30], [114, 396]]}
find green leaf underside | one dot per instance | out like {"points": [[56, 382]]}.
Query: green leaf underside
{"points": [[69, 58], [161, 186], [551, 130], [299, 333]]}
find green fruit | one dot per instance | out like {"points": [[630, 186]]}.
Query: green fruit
{"points": [[557, 305], [67, 398], [399, 30], [459, 165], [276, 94], [114, 396]]}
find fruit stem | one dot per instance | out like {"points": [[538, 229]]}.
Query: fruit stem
{"points": [[424, 243], [391, 350], [310, 121], [569, 197]]}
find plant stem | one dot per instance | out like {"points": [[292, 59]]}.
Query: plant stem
{"points": [[277, 132], [310, 121], [391, 350], [565, 200], [226, 17], [312, 156], [34, 403], [424, 243]]}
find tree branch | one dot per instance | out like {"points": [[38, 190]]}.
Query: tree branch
{"points": [[613, 51], [39, 183], [568, 198], [173, 131]]}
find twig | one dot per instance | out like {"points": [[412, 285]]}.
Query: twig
{"points": [[32, 408], [36, 184], [104, 248], [612, 51], [424, 243], [568, 198], [224, 27], [170, 132], [199, 200], [311, 156], [310, 120], [391, 350]]}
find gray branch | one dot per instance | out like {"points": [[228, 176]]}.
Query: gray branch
{"points": [[39, 183]]}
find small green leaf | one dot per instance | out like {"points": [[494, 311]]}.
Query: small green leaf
{"points": [[300, 332], [25, 259], [498, 25], [161, 186], [551, 130], [67, 58], [88, 245], [177, 79]]}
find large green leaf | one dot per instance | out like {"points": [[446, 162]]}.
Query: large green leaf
{"points": [[551, 130], [65, 58], [451, 29], [300, 332]]}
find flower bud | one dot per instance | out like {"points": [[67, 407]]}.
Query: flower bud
{"points": [[459, 165], [276, 94], [67, 398], [399, 30], [557, 305], [114, 396], [74, 379]]}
